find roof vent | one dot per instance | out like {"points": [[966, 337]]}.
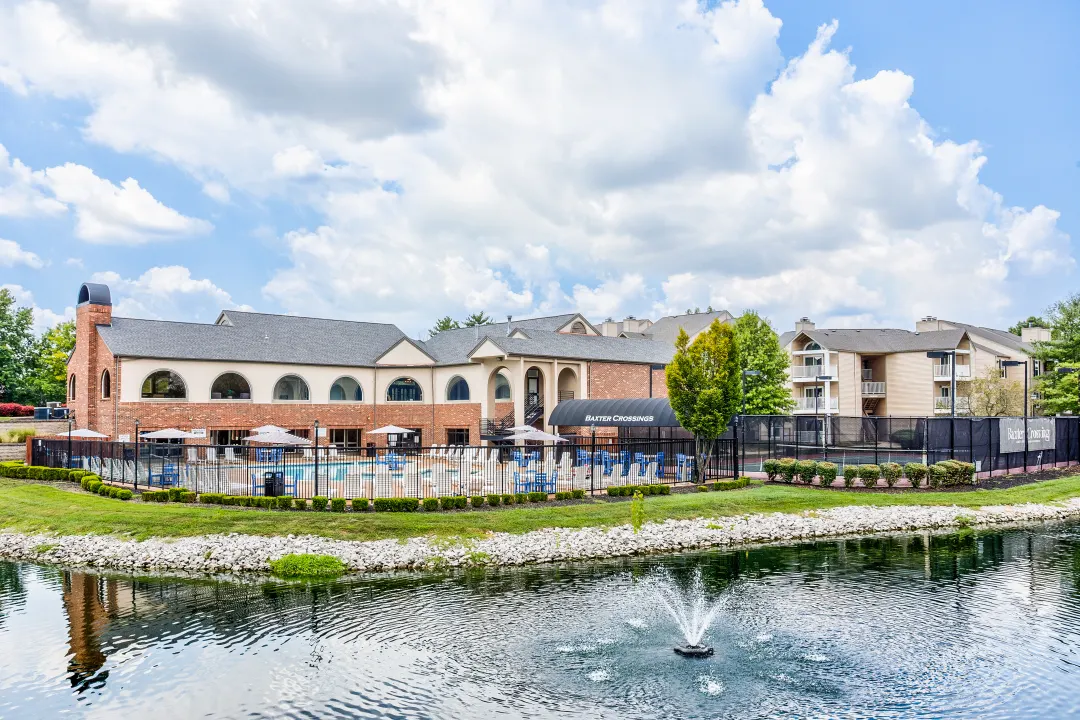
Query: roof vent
{"points": [[94, 294], [508, 319]]}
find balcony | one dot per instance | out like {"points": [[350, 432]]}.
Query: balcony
{"points": [[815, 405], [942, 406], [873, 389], [943, 371], [803, 373]]}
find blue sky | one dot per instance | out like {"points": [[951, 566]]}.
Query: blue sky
{"points": [[617, 158]]}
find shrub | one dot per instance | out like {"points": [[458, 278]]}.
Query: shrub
{"points": [[77, 475], [637, 511], [535, 497], [155, 496], [114, 492], [318, 503], [187, 496], [788, 467], [827, 473], [307, 566], [284, 502], [35, 473], [916, 473], [703, 488], [360, 505], [580, 494], [124, 494], [771, 468], [891, 472], [937, 475], [174, 494], [869, 475], [337, 505], [967, 473], [806, 470], [396, 504], [507, 499], [520, 498], [614, 491], [15, 410], [731, 484], [954, 472], [494, 500], [93, 485], [299, 504], [656, 489], [54, 474], [430, 504], [452, 502], [477, 501], [560, 495], [212, 498]]}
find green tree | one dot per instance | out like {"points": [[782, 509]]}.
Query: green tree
{"points": [[47, 379], [478, 318], [1059, 392], [1032, 321], [993, 395], [703, 386], [759, 349], [444, 323], [17, 346], [1063, 349]]}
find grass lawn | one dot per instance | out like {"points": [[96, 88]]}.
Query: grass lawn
{"points": [[30, 507]]}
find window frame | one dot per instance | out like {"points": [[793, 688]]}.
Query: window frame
{"points": [[301, 378], [151, 374], [509, 388], [105, 386], [414, 381], [454, 382], [231, 400], [346, 400]]}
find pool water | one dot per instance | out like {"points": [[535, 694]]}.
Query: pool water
{"points": [[972, 625]]}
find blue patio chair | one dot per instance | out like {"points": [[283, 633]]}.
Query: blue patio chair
{"points": [[534, 455], [606, 462], [542, 484], [660, 464], [521, 485], [258, 486], [167, 477]]}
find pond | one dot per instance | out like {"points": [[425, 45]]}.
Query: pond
{"points": [[974, 625]]}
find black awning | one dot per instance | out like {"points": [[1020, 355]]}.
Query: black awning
{"points": [[628, 412]]}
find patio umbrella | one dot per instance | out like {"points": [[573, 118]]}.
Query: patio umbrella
{"points": [[83, 433], [267, 429], [391, 430], [277, 438], [537, 435], [522, 428], [168, 434]]}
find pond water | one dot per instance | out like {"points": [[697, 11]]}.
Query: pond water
{"points": [[973, 625]]}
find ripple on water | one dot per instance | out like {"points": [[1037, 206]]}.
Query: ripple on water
{"points": [[709, 686]]}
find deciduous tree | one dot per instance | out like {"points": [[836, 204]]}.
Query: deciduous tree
{"points": [[17, 346], [993, 395], [759, 349]]}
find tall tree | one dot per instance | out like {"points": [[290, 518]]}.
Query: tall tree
{"points": [[703, 386], [444, 323], [17, 346], [993, 395], [1060, 393], [1032, 321], [47, 379], [1063, 349], [759, 349], [478, 318]]}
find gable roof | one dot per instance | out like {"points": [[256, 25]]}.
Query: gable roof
{"points": [[666, 329], [542, 343], [1001, 337], [883, 340]]}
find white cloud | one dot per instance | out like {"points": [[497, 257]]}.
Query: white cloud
{"points": [[168, 292], [44, 318], [18, 195], [658, 157], [12, 254]]}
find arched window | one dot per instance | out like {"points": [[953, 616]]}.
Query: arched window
{"points": [[291, 387], [106, 385], [502, 387], [578, 328], [346, 389], [71, 388], [404, 390], [812, 346], [458, 389], [164, 385], [230, 386]]}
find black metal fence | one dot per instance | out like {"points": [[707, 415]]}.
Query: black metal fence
{"points": [[583, 464], [863, 440]]}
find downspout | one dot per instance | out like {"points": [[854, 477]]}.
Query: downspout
{"points": [[432, 440], [375, 400], [650, 380], [114, 391]]}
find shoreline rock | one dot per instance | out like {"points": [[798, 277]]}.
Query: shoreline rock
{"points": [[237, 554]]}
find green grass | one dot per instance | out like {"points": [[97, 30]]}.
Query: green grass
{"points": [[30, 507], [307, 566]]}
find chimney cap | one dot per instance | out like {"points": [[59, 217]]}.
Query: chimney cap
{"points": [[94, 294], [929, 318]]}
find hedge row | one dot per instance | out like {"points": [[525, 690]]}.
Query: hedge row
{"points": [[17, 469], [629, 490], [94, 484], [947, 472]]}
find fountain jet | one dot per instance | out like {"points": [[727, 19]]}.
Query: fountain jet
{"points": [[691, 612]]}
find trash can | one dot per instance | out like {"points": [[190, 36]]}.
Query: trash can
{"points": [[274, 484]]}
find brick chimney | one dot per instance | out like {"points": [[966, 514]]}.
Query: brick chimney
{"points": [[90, 359], [804, 324]]}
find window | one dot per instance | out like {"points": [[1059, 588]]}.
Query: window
{"points": [[164, 385], [291, 387], [458, 389], [502, 387], [229, 437], [71, 388], [412, 440], [106, 385], [944, 391], [230, 386], [345, 438], [1036, 368], [404, 390], [578, 328], [457, 436], [812, 346], [346, 389]]}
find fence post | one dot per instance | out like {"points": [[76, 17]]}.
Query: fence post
{"points": [[135, 478], [877, 429], [1025, 445], [795, 424]]}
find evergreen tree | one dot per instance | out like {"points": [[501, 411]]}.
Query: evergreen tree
{"points": [[1032, 321], [1062, 350], [703, 386], [759, 349], [444, 323], [478, 318]]}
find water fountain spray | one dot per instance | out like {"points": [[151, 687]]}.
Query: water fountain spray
{"points": [[690, 611]]}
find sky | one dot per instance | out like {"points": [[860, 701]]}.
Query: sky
{"points": [[863, 164]]}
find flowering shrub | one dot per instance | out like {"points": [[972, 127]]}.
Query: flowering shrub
{"points": [[15, 410]]}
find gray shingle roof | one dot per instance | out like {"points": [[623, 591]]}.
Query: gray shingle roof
{"points": [[543, 343], [666, 329], [1001, 337], [885, 340]]}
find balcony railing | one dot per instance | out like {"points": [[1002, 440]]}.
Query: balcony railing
{"points": [[943, 371], [811, 372], [944, 405], [873, 389], [809, 404]]}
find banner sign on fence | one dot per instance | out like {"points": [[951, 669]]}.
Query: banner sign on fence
{"points": [[1040, 434]]}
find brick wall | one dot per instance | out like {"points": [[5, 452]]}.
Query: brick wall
{"points": [[624, 380], [87, 363]]}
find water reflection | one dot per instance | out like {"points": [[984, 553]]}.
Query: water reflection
{"points": [[965, 625]]}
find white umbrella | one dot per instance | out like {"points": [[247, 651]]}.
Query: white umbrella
{"points": [[522, 428], [277, 438], [537, 435], [168, 434], [84, 433], [267, 429], [391, 430]]}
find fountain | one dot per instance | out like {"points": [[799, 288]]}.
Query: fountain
{"points": [[691, 612]]}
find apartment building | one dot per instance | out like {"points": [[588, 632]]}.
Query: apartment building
{"points": [[885, 371]]}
